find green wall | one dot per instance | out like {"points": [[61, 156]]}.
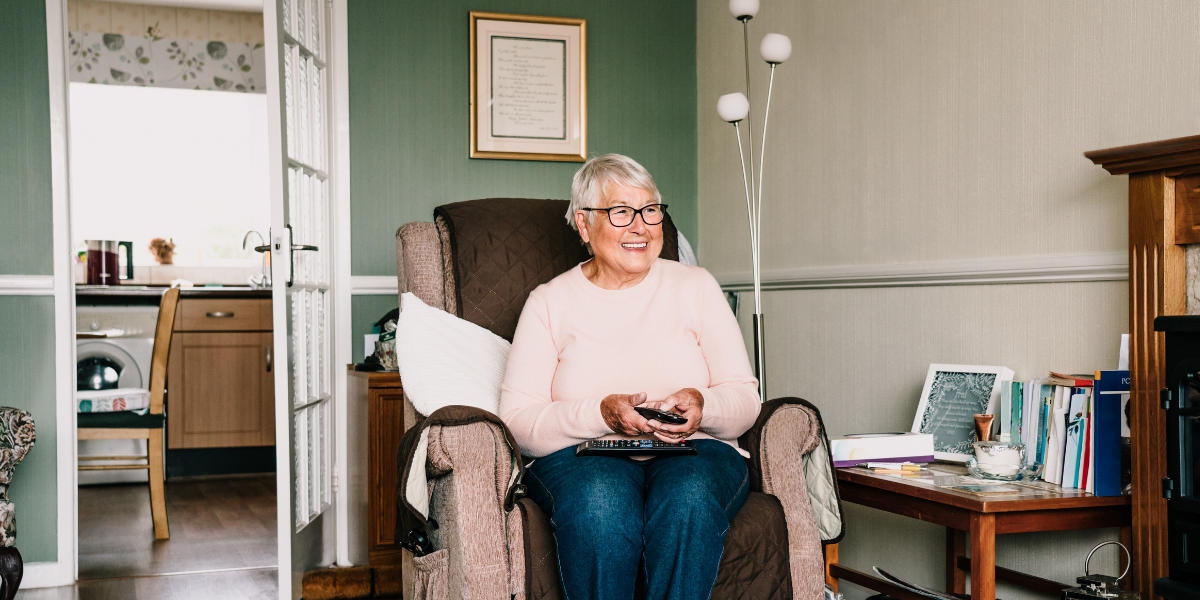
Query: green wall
{"points": [[25, 215], [26, 242], [409, 121], [365, 310], [27, 382]]}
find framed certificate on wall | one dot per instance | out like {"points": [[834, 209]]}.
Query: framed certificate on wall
{"points": [[528, 87]]}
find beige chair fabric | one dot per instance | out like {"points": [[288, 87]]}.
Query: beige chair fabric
{"points": [[468, 505], [449, 284], [791, 433], [419, 263]]}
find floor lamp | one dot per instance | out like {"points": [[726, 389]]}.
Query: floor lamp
{"points": [[734, 108]]}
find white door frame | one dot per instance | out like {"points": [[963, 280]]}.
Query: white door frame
{"points": [[65, 569], [348, 550]]}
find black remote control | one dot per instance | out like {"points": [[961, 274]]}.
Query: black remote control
{"points": [[653, 414], [633, 448]]}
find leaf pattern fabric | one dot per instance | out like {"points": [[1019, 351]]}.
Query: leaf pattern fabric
{"points": [[17, 434], [115, 59]]}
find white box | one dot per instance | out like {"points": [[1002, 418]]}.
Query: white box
{"points": [[850, 450]]}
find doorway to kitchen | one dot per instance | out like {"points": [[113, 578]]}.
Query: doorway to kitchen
{"points": [[170, 187]]}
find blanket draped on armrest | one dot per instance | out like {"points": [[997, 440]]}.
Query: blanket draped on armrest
{"points": [[412, 497]]}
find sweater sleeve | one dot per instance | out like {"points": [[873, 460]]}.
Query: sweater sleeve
{"points": [[540, 425], [731, 402]]}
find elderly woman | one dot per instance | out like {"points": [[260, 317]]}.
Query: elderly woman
{"points": [[628, 329]]}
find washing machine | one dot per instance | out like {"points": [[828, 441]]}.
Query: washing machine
{"points": [[120, 359]]}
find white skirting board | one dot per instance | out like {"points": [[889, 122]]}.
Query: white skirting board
{"points": [[47, 574]]}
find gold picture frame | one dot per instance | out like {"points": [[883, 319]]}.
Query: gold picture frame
{"points": [[523, 110]]}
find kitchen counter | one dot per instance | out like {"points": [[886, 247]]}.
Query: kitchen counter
{"points": [[142, 295]]}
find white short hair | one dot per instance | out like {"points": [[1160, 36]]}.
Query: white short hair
{"points": [[593, 178]]}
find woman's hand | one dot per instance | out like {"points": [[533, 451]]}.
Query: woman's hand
{"points": [[687, 403], [618, 413]]}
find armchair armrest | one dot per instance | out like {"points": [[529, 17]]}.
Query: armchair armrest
{"points": [[457, 470], [789, 459], [470, 469]]}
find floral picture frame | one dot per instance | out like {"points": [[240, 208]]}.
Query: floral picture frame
{"points": [[952, 395]]}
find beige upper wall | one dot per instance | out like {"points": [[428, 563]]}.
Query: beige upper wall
{"points": [[935, 129], [100, 16]]}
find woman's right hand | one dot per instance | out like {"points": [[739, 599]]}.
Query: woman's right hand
{"points": [[618, 413]]}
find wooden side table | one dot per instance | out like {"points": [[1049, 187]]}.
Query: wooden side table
{"points": [[984, 517], [388, 417]]}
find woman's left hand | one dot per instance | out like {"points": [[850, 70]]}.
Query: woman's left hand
{"points": [[687, 403]]}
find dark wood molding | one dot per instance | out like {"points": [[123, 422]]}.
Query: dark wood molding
{"points": [[1164, 214], [1151, 156]]}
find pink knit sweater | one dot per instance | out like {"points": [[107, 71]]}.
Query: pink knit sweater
{"points": [[577, 343]]}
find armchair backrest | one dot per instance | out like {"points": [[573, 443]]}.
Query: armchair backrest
{"points": [[480, 259]]}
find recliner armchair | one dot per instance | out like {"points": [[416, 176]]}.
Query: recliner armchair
{"points": [[479, 260]]}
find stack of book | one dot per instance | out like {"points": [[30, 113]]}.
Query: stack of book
{"points": [[1071, 424]]}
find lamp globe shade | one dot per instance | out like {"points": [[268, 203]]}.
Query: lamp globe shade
{"points": [[775, 48], [733, 107], [743, 9]]}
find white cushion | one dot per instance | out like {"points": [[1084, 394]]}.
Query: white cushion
{"points": [[446, 361]]}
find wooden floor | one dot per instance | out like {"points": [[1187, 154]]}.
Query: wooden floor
{"points": [[222, 543]]}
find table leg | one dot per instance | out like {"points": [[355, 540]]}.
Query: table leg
{"points": [[956, 546], [983, 556], [831, 558]]}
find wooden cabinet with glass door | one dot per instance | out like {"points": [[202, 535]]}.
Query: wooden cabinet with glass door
{"points": [[221, 390]]}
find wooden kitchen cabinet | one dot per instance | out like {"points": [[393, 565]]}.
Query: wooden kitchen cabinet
{"points": [[220, 379]]}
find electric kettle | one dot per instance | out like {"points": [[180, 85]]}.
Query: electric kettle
{"points": [[103, 264]]}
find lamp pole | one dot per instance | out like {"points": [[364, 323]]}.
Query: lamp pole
{"points": [[733, 108]]}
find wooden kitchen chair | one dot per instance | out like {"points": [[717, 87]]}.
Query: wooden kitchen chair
{"points": [[128, 425]]}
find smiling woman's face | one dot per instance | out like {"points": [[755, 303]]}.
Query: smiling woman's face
{"points": [[622, 251]]}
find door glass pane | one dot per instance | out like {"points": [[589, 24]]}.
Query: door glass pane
{"points": [[317, 423], [303, 118], [300, 466], [286, 14], [321, 228], [321, 383], [300, 32], [311, 339], [316, 18], [318, 114], [326, 458], [289, 100], [299, 348]]}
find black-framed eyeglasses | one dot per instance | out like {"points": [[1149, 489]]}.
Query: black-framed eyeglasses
{"points": [[622, 216]]}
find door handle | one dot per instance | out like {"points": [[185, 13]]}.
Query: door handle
{"points": [[292, 257], [266, 248], [269, 359], [219, 315]]}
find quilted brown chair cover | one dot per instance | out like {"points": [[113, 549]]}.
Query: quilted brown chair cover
{"points": [[503, 248]]}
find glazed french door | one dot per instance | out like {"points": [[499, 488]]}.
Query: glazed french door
{"points": [[298, 57]]}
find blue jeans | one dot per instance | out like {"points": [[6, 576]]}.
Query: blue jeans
{"points": [[610, 513]]}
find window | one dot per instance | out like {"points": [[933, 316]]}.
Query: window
{"points": [[189, 165]]}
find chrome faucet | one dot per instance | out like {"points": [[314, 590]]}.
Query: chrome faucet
{"points": [[263, 281]]}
